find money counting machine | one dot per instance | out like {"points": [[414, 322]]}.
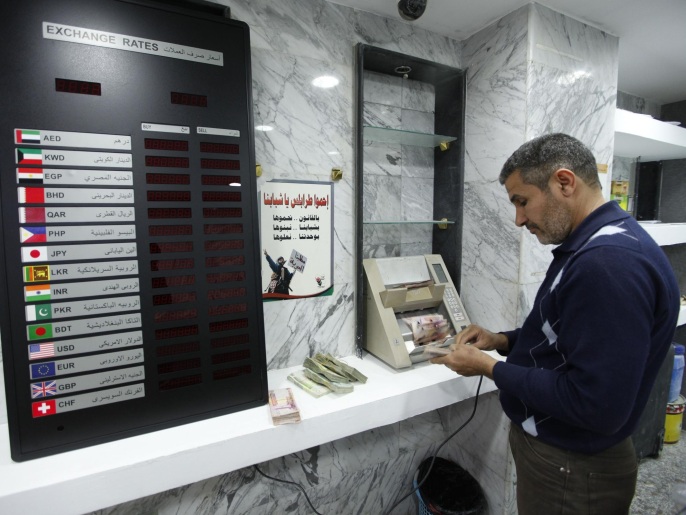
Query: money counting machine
{"points": [[411, 306]]}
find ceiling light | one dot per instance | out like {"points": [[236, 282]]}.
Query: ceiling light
{"points": [[325, 81]]}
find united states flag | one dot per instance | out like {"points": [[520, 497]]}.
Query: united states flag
{"points": [[43, 389]]}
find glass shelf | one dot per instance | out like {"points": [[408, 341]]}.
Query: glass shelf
{"points": [[417, 139]]}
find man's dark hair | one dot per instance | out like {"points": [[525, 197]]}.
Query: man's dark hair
{"points": [[538, 159]]}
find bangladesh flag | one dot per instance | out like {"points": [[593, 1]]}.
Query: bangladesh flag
{"points": [[39, 331]]}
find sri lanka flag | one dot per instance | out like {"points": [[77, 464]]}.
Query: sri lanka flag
{"points": [[29, 156], [32, 234], [26, 136]]}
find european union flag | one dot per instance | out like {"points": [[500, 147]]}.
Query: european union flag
{"points": [[42, 369]]}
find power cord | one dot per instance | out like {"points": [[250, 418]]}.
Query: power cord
{"points": [[290, 483], [433, 458]]}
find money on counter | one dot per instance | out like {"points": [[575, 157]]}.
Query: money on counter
{"points": [[316, 390], [331, 385], [282, 407]]}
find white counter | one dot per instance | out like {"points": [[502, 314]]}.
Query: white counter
{"points": [[104, 475]]}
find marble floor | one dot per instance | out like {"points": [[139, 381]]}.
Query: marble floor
{"points": [[658, 480]]}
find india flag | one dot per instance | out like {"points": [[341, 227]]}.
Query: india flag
{"points": [[29, 156], [26, 136], [37, 292]]}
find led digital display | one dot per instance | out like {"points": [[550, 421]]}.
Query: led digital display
{"points": [[220, 180], [157, 265], [227, 325], [225, 293], [221, 196], [188, 99], [227, 357], [169, 196], [223, 245], [78, 86], [177, 348], [167, 178], [173, 316], [220, 164], [176, 366], [166, 162], [225, 277], [176, 332], [177, 145], [173, 246], [174, 280], [173, 298], [223, 228], [179, 382], [155, 213], [224, 261], [222, 212], [170, 230], [229, 341], [227, 309], [219, 148], [229, 373]]}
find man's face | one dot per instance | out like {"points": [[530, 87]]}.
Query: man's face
{"points": [[281, 261], [543, 213]]}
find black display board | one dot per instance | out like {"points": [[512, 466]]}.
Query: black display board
{"points": [[129, 266]]}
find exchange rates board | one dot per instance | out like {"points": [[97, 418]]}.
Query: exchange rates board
{"points": [[130, 259]]}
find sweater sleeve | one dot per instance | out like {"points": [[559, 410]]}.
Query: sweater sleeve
{"points": [[606, 304]]}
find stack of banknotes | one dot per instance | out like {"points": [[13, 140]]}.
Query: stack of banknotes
{"points": [[325, 374], [282, 407]]}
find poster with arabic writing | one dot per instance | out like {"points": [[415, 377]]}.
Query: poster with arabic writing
{"points": [[296, 224]]}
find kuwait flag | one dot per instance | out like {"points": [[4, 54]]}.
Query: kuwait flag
{"points": [[30, 175], [39, 331], [31, 195], [41, 350], [40, 312], [26, 136], [29, 156], [36, 273], [43, 408], [31, 254], [37, 293], [32, 215], [32, 234]]}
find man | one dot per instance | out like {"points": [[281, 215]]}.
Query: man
{"points": [[283, 275], [580, 369]]}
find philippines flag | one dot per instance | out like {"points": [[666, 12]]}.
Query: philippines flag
{"points": [[32, 235], [43, 408], [31, 195], [42, 370], [30, 175], [43, 389], [43, 350], [29, 156], [26, 136], [32, 215], [32, 254]]}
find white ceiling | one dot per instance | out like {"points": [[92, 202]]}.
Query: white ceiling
{"points": [[652, 33]]}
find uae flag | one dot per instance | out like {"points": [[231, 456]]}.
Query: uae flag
{"points": [[37, 293], [30, 175], [39, 332], [32, 215], [33, 254], [26, 136], [29, 156], [32, 234], [36, 273], [31, 195], [43, 408]]}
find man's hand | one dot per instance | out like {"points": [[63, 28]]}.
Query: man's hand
{"points": [[483, 339]]}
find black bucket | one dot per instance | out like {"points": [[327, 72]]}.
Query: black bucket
{"points": [[449, 490]]}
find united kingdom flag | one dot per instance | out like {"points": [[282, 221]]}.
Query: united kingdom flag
{"points": [[43, 389]]}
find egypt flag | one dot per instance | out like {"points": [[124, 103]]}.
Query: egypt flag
{"points": [[39, 331], [29, 156], [37, 293], [30, 175], [26, 136], [32, 235], [33, 254], [32, 215], [31, 195], [43, 408]]}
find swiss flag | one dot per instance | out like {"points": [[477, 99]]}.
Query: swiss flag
{"points": [[43, 408]]}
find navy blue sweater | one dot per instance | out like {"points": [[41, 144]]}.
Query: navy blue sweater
{"points": [[580, 369]]}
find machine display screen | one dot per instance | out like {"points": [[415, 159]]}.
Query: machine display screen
{"points": [[440, 273]]}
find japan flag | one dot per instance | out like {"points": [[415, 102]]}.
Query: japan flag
{"points": [[33, 254]]}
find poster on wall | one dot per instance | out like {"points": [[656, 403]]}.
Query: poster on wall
{"points": [[296, 227]]}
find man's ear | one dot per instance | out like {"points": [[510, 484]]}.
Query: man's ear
{"points": [[564, 180]]}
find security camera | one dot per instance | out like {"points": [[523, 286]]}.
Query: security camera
{"points": [[411, 9]]}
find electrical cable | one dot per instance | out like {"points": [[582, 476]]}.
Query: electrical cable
{"points": [[433, 458], [290, 483]]}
